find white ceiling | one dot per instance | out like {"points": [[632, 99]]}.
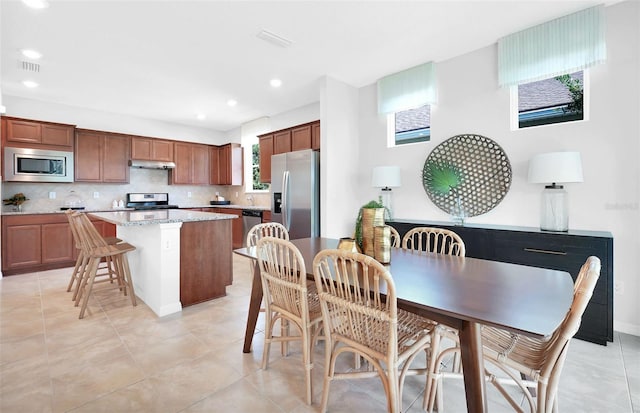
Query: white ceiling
{"points": [[169, 60]]}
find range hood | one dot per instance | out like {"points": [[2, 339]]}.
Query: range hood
{"points": [[135, 163]]}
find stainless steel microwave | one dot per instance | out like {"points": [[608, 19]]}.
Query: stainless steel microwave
{"points": [[37, 165]]}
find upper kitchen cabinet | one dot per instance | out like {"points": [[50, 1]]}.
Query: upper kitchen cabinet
{"points": [[101, 157], [315, 136], [36, 134], [282, 142], [150, 149], [297, 138], [192, 164], [226, 164], [301, 138], [266, 150]]}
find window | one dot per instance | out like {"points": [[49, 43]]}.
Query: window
{"points": [[554, 100], [255, 169], [410, 126]]}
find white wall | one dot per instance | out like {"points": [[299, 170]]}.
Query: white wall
{"points": [[339, 158], [109, 122], [470, 101]]}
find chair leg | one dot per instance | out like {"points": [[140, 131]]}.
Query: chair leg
{"points": [[308, 365], [91, 275], [268, 337], [76, 270]]}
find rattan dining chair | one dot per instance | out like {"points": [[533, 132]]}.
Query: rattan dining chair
{"points": [[518, 356], [105, 267], [396, 240], [359, 308], [438, 240], [286, 297], [257, 232], [95, 248]]}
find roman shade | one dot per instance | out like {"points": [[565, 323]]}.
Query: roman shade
{"points": [[563, 45], [408, 89]]}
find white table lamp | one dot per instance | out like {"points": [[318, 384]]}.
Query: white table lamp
{"points": [[553, 168], [385, 178]]}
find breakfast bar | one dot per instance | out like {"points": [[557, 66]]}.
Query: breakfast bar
{"points": [[181, 257]]}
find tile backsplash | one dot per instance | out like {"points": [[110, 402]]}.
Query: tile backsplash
{"points": [[141, 180]]}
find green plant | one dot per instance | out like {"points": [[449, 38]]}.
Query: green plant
{"points": [[441, 178], [576, 90], [17, 199], [369, 205]]}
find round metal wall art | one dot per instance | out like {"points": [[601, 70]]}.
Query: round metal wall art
{"points": [[476, 171]]}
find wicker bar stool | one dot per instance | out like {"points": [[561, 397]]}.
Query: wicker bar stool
{"points": [[105, 268], [95, 249], [360, 316], [540, 360], [286, 296]]}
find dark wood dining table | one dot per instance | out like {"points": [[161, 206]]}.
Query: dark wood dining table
{"points": [[463, 293]]}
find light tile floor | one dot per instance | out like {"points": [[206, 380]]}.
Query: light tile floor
{"points": [[125, 359]]}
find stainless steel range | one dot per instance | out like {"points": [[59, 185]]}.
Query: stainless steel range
{"points": [[145, 201]]}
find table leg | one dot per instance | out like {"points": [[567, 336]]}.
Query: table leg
{"points": [[473, 366], [254, 308]]}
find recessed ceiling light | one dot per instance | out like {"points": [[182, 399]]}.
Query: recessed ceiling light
{"points": [[232, 102], [201, 116], [275, 82], [31, 54], [36, 4], [30, 83]]}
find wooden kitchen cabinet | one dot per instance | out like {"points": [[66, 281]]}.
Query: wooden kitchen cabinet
{"points": [[282, 142], [37, 134], [39, 242], [236, 225], [226, 164], [266, 150], [192, 164], [297, 138], [315, 136], [301, 138], [150, 149], [266, 216], [101, 157]]}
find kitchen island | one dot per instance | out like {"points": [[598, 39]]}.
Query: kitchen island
{"points": [[181, 257]]}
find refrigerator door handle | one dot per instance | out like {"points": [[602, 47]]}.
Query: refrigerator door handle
{"points": [[285, 198]]}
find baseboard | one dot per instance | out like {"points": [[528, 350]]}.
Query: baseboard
{"points": [[627, 328]]}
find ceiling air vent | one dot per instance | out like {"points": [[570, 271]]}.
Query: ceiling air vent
{"points": [[274, 39], [28, 66]]}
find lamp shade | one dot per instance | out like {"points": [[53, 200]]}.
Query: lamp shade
{"points": [[555, 167], [385, 176]]}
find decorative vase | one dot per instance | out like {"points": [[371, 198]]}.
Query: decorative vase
{"points": [[371, 217], [348, 244], [457, 212], [382, 244], [17, 208]]}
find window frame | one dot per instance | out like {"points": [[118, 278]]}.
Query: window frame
{"points": [[392, 135], [586, 98]]}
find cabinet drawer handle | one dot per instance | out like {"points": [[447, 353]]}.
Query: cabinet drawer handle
{"points": [[545, 251]]}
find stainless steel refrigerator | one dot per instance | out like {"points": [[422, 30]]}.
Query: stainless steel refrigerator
{"points": [[295, 192]]}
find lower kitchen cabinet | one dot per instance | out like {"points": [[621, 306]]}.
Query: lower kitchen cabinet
{"points": [[236, 226], [564, 251], [39, 242]]}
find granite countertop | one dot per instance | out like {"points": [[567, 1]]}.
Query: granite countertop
{"points": [[165, 216], [58, 211]]}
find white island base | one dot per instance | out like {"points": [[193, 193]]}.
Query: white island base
{"points": [[156, 264]]}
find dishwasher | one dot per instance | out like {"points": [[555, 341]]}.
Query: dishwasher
{"points": [[250, 217]]}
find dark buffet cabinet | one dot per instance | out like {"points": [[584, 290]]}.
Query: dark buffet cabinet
{"points": [[565, 251]]}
